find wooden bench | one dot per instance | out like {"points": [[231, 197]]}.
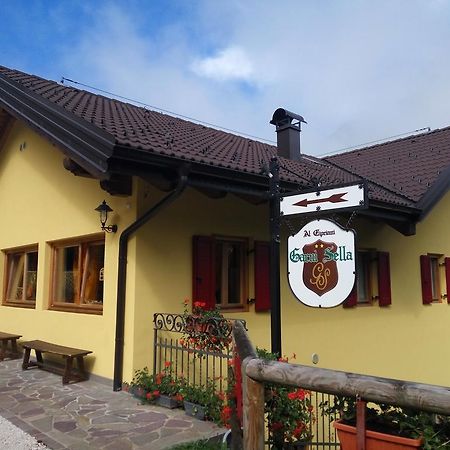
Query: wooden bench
{"points": [[67, 353], [11, 352]]}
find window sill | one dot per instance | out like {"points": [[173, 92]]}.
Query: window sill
{"points": [[31, 305], [85, 309], [233, 308]]}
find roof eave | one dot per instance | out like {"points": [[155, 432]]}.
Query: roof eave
{"points": [[401, 218], [439, 188], [139, 163], [82, 141]]}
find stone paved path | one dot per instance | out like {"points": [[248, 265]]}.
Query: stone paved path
{"points": [[89, 415]]}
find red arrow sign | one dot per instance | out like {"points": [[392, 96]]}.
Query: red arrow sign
{"points": [[335, 198]]}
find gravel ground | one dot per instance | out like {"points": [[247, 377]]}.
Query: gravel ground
{"points": [[13, 438]]}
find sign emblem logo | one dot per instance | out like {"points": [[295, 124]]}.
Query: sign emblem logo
{"points": [[320, 276], [321, 263]]}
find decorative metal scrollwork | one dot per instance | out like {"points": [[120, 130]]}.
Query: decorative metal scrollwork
{"points": [[168, 322], [179, 323]]}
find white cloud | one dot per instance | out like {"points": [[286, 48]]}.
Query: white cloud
{"points": [[352, 68], [229, 64]]}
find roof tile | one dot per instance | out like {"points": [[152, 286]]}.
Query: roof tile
{"points": [[400, 171]]}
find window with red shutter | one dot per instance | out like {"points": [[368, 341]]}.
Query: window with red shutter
{"points": [[364, 275], [447, 277], [373, 280], [384, 279], [203, 270], [352, 299], [262, 276], [220, 271], [425, 276]]}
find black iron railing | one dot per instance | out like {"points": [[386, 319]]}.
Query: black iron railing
{"points": [[195, 365]]}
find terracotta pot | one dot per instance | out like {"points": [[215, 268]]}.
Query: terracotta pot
{"points": [[374, 439]]}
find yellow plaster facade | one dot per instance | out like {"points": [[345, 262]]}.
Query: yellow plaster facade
{"points": [[41, 202]]}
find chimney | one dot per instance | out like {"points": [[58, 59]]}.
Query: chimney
{"points": [[288, 133]]}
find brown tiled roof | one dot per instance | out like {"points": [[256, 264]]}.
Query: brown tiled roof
{"points": [[398, 180], [408, 166]]}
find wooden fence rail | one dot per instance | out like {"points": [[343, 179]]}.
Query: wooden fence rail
{"points": [[256, 372]]}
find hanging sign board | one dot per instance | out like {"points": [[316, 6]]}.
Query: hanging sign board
{"points": [[321, 263], [347, 196]]}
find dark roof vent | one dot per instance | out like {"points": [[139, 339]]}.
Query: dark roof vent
{"points": [[288, 133]]}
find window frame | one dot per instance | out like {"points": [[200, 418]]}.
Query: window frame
{"points": [[82, 243], [8, 253], [378, 280], [204, 272], [243, 243], [370, 276], [436, 262]]}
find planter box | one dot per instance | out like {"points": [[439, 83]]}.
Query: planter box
{"points": [[296, 446], [374, 440], [167, 402], [194, 410]]}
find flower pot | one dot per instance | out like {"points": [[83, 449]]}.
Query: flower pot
{"points": [[137, 392], [296, 445], [374, 439], [166, 401], [194, 410]]}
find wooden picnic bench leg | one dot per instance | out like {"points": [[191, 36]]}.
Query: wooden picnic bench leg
{"points": [[40, 361], [67, 370], [80, 363], [26, 359], [4, 350], [14, 348]]}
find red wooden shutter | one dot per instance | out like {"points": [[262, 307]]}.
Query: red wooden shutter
{"points": [[203, 271], [447, 277], [384, 279], [262, 276], [352, 299], [425, 275]]}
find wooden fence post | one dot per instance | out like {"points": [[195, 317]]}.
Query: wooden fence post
{"points": [[253, 411]]}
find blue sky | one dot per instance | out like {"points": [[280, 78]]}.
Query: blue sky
{"points": [[357, 70]]}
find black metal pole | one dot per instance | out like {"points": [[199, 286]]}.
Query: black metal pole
{"points": [[275, 316]]}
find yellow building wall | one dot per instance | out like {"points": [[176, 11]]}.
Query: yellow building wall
{"points": [[41, 202], [164, 258], [406, 340]]}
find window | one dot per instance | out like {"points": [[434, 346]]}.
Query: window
{"points": [[430, 271], [373, 279], [77, 276], [220, 271], [365, 263], [21, 276], [230, 275], [435, 280]]}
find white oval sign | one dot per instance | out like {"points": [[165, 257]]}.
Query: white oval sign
{"points": [[321, 263]]}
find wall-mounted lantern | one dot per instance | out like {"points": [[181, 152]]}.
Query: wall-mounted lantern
{"points": [[103, 210]]}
